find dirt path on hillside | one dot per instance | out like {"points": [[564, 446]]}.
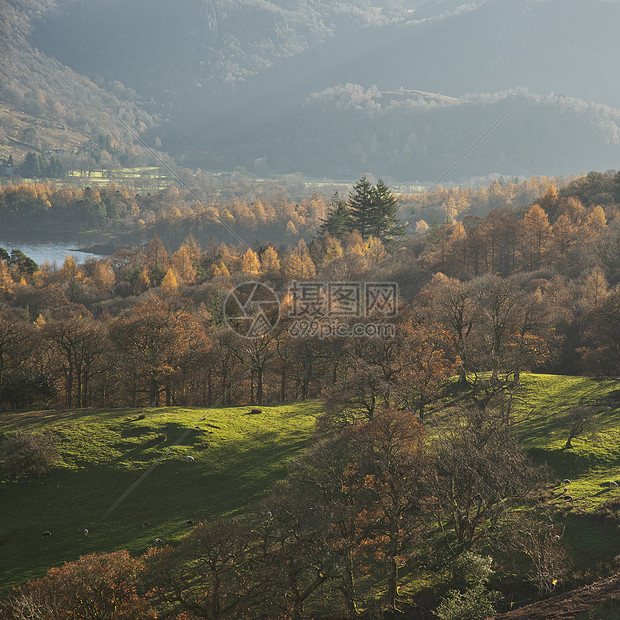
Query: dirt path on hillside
{"points": [[569, 605]]}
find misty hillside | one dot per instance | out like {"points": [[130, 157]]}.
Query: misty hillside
{"points": [[276, 87], [157, 45], [348, 130], [49, 105], [448, 46]]}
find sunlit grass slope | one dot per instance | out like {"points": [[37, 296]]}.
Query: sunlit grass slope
{"points": [[238, 456], [594, 459]]}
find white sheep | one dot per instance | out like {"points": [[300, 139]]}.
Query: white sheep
{"points": [[85, 532], [613, 484], [189, 459]]}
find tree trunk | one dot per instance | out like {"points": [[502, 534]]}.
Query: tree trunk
{"points": [[348, 588], [283, 383], [209, 388], [305, 388], [69, 384], [393, 577], [259, 385], [154, 393]]}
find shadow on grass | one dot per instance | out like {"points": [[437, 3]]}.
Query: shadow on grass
{"points": [[224, 480]]}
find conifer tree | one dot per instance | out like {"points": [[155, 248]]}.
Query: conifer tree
{"points": [[250, 264], [338, 220], [372, 211], [360, 206], [384, 224], [170, 282]]}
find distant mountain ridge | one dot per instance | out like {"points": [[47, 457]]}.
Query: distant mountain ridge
{"points": [[224, 83], [38, 91]]}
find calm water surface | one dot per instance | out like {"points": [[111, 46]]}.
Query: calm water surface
{"points": [[50, 251]]}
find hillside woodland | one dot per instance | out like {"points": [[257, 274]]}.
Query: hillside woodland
{"points": [[322, 89], [416, 471]]}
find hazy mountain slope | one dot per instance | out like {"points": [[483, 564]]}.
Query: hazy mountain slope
{"points": [[49, 93], [255, 83], [158, 45], [450, 46], [567, 47], [410, 135]]}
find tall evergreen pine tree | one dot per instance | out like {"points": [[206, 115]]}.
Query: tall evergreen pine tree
{"points": [[360, 207], [338, 220], [384, 224]]}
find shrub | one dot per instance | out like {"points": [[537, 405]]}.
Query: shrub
{"points": [[28, 454], [475, 603], [469, 569], [471, 601], [96, 586]]}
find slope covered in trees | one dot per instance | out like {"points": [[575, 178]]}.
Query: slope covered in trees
{"points": [[264, 86], [47, 105], [275, 535]]}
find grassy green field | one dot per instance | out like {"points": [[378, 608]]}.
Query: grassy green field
{"points": [[142, 179], [237, 457], [594, 459]]}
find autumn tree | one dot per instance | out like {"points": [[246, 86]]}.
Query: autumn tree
{"points": [[391, 455], [226, 362], [270, 263], [368, 481], [480, 472], [298, 557], [95, 587], [298, 264], [500, 303], [170, 281], [452, 304], [77, 340], [250, 265], [601, 350], [157, 260], [15, 337], [536, 233], [255, 354], [549, 201], [6, 281], [425, 365], [183, 264], [215, 558], [104, 276], [154, 338], [542, 543]]}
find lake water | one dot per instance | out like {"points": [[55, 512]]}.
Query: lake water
{"points": [[50, 251]]}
